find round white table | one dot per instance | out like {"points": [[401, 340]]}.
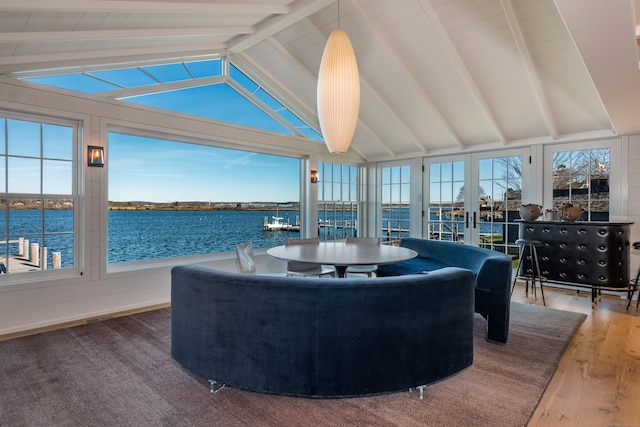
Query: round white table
{"points": [[342, 255]]}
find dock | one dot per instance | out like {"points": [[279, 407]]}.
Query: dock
{"points": [[17, 265], [337, 228], [28, 258], [277, 224]]}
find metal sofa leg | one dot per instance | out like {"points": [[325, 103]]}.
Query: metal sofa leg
{"points": [[420, 389], [216, 386]]}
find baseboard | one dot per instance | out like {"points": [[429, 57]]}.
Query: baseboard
{"points": [[100, 318]]}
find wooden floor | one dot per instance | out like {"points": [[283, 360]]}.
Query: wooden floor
{"points": [[598, 379]]}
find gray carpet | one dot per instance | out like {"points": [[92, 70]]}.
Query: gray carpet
{"points": [[120, 373]]}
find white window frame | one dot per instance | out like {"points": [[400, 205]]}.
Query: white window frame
{"points": [[617, 176], [77, 193], [358, 193], [116, 269], [415, 196]]}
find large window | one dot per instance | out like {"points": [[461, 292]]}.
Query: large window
{"points": [[500, 194], [396, 198], [38, 195], [581, 177], [475, 198], [169, 198], [446, 214], [212, 88], [338, 201]]}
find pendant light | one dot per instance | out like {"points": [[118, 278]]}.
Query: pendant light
{"points": [[338, 94]]}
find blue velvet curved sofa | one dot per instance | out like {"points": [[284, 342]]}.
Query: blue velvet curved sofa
{"points": [[318, 337], [492, 270]]}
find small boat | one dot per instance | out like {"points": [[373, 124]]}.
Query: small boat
{"points": [[277, 224]]}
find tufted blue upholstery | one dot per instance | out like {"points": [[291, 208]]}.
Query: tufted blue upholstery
{"points": [[322, 338], [493, 276]]}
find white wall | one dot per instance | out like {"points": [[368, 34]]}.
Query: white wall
{"points": [[34, 300], [27, 304], [633, 197]]}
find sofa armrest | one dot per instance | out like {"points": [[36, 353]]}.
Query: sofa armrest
{"points": [[493, 278]]}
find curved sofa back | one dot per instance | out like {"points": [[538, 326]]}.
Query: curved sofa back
{"points": [[322, 337], [489, 266]]}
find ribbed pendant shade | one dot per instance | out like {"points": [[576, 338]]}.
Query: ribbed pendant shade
{"points": [[338, 92]]}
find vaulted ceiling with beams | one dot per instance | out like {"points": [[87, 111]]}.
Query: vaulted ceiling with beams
{"points": [[437, 76]]}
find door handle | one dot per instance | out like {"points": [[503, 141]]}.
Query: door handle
{"points": [[475, 220], [466, 223]]}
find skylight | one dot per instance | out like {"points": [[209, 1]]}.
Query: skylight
{"points": [[201, 88], [218, 102]]}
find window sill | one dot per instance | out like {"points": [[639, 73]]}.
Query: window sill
{"points": [[144, 266]]}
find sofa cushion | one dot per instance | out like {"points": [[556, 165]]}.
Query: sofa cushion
{"points": [[415, 265]]}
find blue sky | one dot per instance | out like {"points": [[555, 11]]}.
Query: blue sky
{"points": [[25, 143], [146, 169]]}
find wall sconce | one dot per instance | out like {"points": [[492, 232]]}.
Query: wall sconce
{"points": [[314, 177], [95, 156]]}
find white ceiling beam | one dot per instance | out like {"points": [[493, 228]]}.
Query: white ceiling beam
{"points": [[267, 81], [392, 115], [309, 112], [457, 61], [374, 138], [299, 11], [407, 76], [162, 87], [50, 60], [142, 7], [248, 95], [47, 36], [138, 61], [530, 67], [313, 77]]}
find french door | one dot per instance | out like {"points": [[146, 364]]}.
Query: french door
{"points": [[474, 198]]}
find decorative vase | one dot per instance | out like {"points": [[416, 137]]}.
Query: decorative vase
{"points": [[530, 212], [570, 212]]}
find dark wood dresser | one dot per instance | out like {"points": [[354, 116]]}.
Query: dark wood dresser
{"points": [[590, 254]]}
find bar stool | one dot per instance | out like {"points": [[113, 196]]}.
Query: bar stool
{"points": [[636, 246], [534, 272]]}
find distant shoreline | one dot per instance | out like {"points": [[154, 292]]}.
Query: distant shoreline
{"points": [[199, 208], [203, 206], [67, 204]]}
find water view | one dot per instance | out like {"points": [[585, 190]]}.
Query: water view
{"points": [[140, 235], [135, 235]]}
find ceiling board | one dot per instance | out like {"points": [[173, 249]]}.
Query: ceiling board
{"points": [[438, 75]]}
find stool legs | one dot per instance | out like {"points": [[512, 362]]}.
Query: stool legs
{"points": [[533, 282], [535, 272], [519, 270], [633, 291]]}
